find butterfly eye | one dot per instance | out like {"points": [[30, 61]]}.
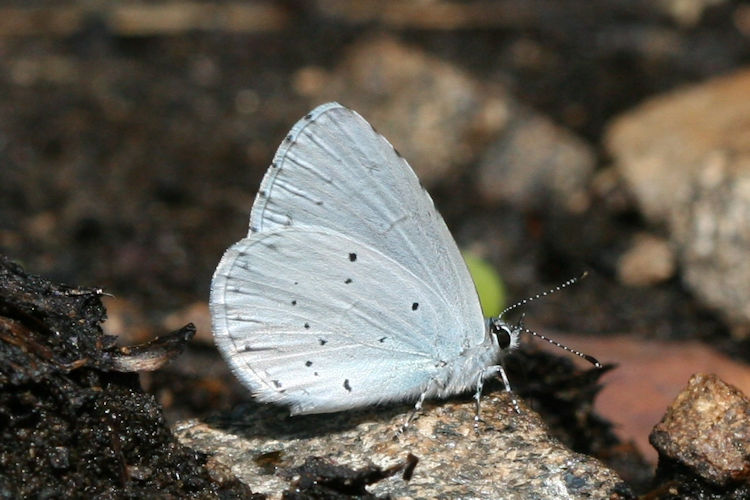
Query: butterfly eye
{"points": [[502, 333]]}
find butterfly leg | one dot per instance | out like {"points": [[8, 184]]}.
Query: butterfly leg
{"points": [[417, 407], [483, 373], [486, 373], [506, 382]]}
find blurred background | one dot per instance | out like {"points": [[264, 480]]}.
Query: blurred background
{"points": [[555, 136]]}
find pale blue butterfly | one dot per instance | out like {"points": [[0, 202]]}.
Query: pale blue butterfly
{"points": [[349, 290]]}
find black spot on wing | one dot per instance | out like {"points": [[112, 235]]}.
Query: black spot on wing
{"points": [[352, 257], [382, 339], [307, 325], [294, 302], [348, 280], [308, 116], [308, 363], [414, 306], [347, 386], [288, 138], [322, 341], [276, 383]]}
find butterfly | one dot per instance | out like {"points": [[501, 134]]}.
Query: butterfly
{"points": [[349, 290]]}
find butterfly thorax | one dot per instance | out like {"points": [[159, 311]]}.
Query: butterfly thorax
{"points": [[476, 361]]}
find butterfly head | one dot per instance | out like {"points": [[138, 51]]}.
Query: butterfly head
{"points": [[507, 334]]}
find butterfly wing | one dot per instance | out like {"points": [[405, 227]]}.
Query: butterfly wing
{"points": [[320, 322], [334, 171], [349, 289]]}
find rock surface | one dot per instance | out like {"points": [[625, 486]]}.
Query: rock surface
{"points": [[686, 157], [648, 261], [512, 456], [707, 429], [535, 164]]}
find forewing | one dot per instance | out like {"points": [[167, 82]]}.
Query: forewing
{"points": [[321, 322], [335, 172]]}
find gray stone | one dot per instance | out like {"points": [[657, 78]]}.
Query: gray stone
{"points": [[512, 457], [534, 163], [686, 158]]}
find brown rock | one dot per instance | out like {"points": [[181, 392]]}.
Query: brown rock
{"points": [[648, 261], [707, 429]]}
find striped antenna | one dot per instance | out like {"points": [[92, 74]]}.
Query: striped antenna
{"points": [[544, 294], [590, 359]]}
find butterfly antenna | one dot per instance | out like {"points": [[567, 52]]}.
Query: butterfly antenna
{"points": [[590, 359], [523, 302]]}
